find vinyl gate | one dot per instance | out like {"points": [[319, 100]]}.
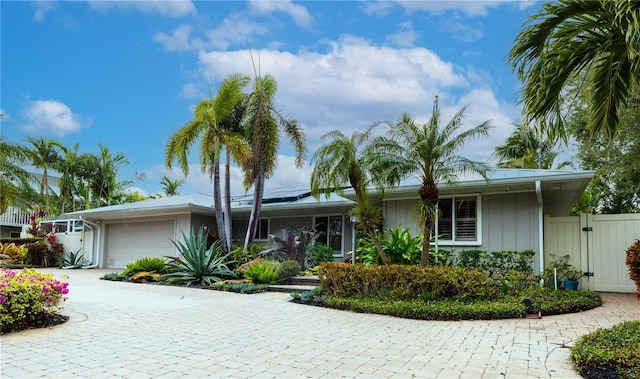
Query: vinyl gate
{"points": [[597, 245]]}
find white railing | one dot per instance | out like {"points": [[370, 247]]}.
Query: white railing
{"points": [[14, 217]]}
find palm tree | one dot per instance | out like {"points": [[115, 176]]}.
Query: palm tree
{"points": [[68, 167], [430, 153], [262, 130], [44, 154], [524, 149], [170, 186], [103, 183], [12, 175], [597, 40], [207, 127], [344, 162]]}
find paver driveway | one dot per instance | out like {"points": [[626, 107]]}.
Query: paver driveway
{"points": [[141, 331]]}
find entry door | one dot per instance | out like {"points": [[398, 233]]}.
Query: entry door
{"points": [[332, 228]]}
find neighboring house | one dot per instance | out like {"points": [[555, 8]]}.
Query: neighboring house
{"points": [[505, 213], [12, 221]]}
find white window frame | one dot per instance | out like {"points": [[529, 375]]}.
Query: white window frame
{"points": [[478, 240]]}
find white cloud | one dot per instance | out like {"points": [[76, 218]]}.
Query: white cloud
{"points": [[179, 39], [168, 8], [42, 7], [297, 12], [405, 36], [379, 8], [469, 7], [50, 117], [234, 31], [460, 30]]}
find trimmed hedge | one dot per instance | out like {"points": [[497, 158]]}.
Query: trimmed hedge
{"points": [[609, 353], [406, 282]]}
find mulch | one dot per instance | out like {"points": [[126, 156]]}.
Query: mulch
{"points": [[44, 321]]}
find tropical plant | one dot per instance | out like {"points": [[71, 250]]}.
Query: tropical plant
{"points": [[103, 180], [44, 154], [196, 263], [146, 264], [72, 259], [12, 176], [431, 153], [344, 162], [261, 271], [525, 149], [207, 125], [262, 124], [170, 186], [596, 40], [633, 264], [293, 245], [318, 253]]}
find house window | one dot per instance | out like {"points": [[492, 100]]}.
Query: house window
{"points": [[263, 229], [331, 226], [458, 220]]}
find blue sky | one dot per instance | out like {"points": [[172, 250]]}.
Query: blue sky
{"points": [[128, 74]]}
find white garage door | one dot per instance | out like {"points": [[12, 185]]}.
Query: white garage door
{"points": [[126, 242]]}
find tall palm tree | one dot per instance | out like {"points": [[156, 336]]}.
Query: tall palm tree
{"points": [[599, 40], [431, 153], [170, 186], [207, 127], [344, 162], [68, 167], [45, 155], [12, 176], [262, 126], [104, 183]]}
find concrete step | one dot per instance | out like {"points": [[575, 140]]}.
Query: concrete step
{"points": [[304, 281], [289, 288]]}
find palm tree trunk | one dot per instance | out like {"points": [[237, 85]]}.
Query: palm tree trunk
{"points": [[227, 199], [426, 244], [258, 192], [217, 200], [376, 241]]}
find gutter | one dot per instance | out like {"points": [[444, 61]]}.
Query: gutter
{"points": [[540, 225]]}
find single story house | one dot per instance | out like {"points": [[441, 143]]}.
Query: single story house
{"points": [[504, 213]]}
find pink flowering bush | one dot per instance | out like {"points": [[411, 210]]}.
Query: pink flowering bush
{"points": [[28, 296]]}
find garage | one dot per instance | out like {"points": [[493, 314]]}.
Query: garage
{"points": [[128, 241]]}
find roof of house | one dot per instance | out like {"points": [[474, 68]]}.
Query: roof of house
{"points": [[560, 189]]}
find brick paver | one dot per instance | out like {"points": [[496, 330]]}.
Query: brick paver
{"points": [[152, 331]]}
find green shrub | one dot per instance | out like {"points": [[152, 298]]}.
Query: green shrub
{"points": [[287, 269], [242, 255], [549, 301], [261, 271], [397, 282], [399, 246], [28, 296], [38, 254], [449, 309], [610, 353], [318, 253], [197, 264], [239, 287], [146, 264], [633, 264]]}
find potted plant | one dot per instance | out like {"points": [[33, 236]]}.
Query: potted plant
{"points": [[556, 268], [572, 279]]}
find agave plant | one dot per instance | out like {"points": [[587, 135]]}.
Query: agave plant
{"points": [[196, 263], [73, 260]]}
